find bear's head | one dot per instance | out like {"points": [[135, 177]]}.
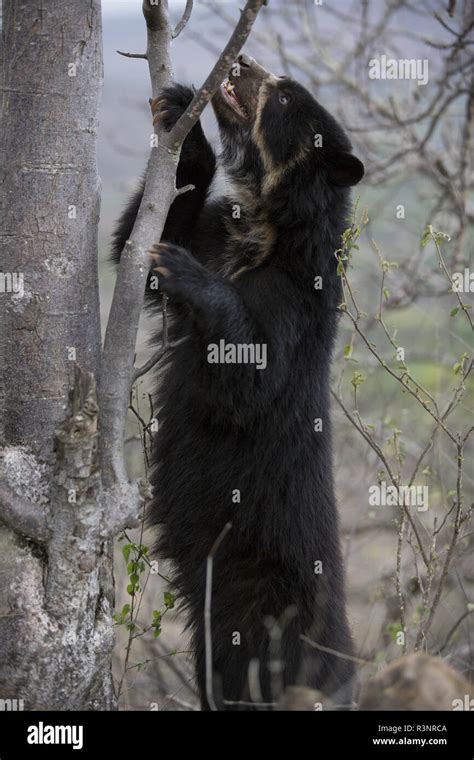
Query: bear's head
{"points": [[271, 125]]}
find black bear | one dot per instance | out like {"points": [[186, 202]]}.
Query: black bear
{"points": [[244, 428]]}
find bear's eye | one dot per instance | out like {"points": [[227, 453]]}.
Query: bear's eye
{"points": [[284, 98]]}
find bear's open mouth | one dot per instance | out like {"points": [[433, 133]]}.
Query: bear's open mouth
{"points": [[231, 98]]}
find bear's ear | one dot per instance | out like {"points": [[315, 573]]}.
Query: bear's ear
{"points": [[343, 168]]}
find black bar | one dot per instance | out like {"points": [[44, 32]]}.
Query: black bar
{"points": [[315, 735]]}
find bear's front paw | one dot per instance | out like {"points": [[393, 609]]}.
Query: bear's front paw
{"points": [[182, 277], [170, 105]]}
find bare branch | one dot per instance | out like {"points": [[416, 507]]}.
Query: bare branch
{"points": [[451, 547], [23, 516], [464, 307], [182, 703], [207, 615], [218, 73], [133, 55], [454, 629], [184, 189], [155, 358], [341, 655], [398, 581], [372, 443], [122, 326], [184, 19]]}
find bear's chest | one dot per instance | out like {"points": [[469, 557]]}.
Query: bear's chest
{"points": [[249, 242]]}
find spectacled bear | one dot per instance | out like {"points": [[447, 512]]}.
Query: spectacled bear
{"points": [[244, 426]]}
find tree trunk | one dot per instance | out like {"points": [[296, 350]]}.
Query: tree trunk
{"points": [[54, 648]]}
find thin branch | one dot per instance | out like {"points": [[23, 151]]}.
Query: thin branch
{"points": [[184, 19], [207, 615], [155, 358], [250, 704], [398, 581], [133, 55], [462, 305], [451, 547], [454, 629], [218, 73], [127, 302], [184, 189], [182, 703], [328, 650], [23, 516], [369, 439]]}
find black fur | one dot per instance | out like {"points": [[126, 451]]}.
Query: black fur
{"points": [[232, 426]]}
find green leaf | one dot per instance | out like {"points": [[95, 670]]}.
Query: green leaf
{"points": [[426, 237], [169, 600], [348, 351], [454, 311], [126, 551], [357, 379], [386, 293]]}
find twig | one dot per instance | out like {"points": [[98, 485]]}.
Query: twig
{"points": [[207, 615], [372, 443], [182, 703], [184, 19], [451, 547], [462, 305], [342, 655], [454, 629], [250, 704], [155, 358], [184, 189], [398, 581], [133, 55], [218, 73]]}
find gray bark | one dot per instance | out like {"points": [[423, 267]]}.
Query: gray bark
{"points": [[53, 641]]}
